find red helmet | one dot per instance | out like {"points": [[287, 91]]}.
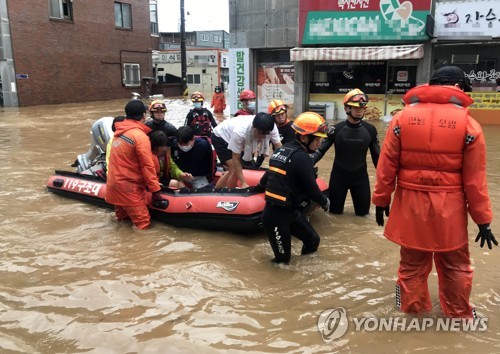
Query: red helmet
{"points": [[247, 95], [197, 96], [157, 106]]}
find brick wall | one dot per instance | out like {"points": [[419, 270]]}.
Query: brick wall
{"points": [[77, 61]]}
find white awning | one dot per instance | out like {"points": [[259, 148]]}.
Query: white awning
{"points": [[389, 52]]}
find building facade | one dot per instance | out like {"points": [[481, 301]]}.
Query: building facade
{"points": [[206, 68], [195, 39], [309, 53], [61, 51]]}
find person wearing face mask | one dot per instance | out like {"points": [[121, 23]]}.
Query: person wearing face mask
{"points": [[194, 155], [289, 182], [157, 110], [247, 98], [218, 102], [279, 110], [243, 138], [352, 138], [200, 119]]}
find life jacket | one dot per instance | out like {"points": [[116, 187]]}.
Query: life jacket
{"points": [[438, 139], [279, 191], [201, 123], [162, 165]]}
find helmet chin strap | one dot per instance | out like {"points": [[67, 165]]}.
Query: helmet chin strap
{"points": [[306, 145]]}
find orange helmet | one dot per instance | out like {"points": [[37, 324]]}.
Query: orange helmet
{"points": [[247, 95], [157, 106], [356, 98], [197, 96], [310, 123], [276, 107]]}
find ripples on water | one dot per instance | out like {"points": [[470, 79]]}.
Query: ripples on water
{"points": [[73, 280]]}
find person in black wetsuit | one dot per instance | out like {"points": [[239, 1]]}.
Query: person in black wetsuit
{"points": [[157, 110], [278, 110], [289, 182], [352, 139]]}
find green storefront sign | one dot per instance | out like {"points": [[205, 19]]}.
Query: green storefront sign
{"points": [[363, 22]]}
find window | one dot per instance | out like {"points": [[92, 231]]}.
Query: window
{"points": [[131, 74], [62, 9], [204, 37], [123, 15], [193, 78], [217, 39], [153, 17]]}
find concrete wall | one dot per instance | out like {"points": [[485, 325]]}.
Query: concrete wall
{"points": [[80, 60], [263, 23]]}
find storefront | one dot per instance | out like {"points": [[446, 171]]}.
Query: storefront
{"points": [[468, 36], [358, 51]]}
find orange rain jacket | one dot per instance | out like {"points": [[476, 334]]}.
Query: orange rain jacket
{"points": [[131, 165], [218, 102], [435, 152]]}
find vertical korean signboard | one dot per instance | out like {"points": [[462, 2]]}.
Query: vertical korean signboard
{"points": [[239, 76]]}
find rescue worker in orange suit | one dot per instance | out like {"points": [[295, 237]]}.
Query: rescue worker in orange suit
{"points": [[247, 99], [157, 110], [218, 101], [289, 182], [279, 110], [200, 119], [132, 170], [352, 138], [434, 156]]}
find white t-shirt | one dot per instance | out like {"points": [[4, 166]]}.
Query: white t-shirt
{"points": [[235, 132]]}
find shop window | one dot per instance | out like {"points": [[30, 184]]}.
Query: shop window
{"points": [[464, 58], [62, 9], [131, 74], [123, 15]]}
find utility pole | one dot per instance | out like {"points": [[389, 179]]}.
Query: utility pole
{"points": [[183, 52]]}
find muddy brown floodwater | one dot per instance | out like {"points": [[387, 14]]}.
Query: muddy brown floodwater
{"points": [[73, 280]]}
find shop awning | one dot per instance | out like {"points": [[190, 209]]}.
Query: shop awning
{"points": [[389, 52]]}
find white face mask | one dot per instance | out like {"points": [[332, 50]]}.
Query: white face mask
{"points": [[251, 105], [185, 148], [197, 104]]}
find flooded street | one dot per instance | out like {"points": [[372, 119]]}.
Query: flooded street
{"points": [[73, 280]]}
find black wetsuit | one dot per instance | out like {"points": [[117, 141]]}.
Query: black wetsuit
{"points": [[287, 134], [164, 126], [282, 219], [349, 171]]}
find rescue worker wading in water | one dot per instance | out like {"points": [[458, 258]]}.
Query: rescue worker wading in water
{"points": [[434, 155], [352, 138], [289, 182]]}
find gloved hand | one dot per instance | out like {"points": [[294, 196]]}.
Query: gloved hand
{"points": [[379, 214], [158, 201], [326, 207], [486, 235]]}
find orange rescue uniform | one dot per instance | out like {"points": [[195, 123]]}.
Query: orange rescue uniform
{"points": [[218, 102], [132, 169], [434, 154]]}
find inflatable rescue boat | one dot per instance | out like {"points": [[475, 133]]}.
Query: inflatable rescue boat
{"points": [[236, 210]]}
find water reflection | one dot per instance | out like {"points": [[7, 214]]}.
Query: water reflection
{"points": [[74, 280]]}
